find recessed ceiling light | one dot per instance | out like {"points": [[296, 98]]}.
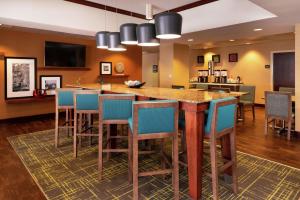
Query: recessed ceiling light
{"points": [[257, 29], [248, 43], [0, 24], [190, 40], [231, 40]]}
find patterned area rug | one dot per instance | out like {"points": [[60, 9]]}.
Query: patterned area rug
{"points": [[60, 176]]}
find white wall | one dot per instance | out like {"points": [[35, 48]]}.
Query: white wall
{"points": [[151, 79]]}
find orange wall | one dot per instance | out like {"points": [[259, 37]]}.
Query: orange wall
{"points": [[31, 44]]}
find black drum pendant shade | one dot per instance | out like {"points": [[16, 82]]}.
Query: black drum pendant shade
{"points": [[168, 25], [128, 33], [114, 42], [146, 35], [101, 40]]}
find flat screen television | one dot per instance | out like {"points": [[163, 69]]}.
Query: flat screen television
{"points": [[64, 55]]}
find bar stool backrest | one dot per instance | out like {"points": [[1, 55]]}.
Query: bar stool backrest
{"points": [[159, 116], [64, 96], [287, 89], [115, 106], [86, 100], [250, 97], [278, 105], [221, 115]]}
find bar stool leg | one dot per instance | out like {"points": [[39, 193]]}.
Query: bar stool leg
{"points": [[135, 170], [75, 136], [56, 128], [108, 146], [129, 156], [79, 129], [100, 150], [175, 174], [233, 159], [67, 120], [90, 127], [289, 130], [163, 162], [214, 167]]}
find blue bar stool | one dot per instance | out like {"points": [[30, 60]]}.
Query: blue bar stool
{"points": [[113, 109], [221, 122], [154, 120], [63, 101], [85, 103]]}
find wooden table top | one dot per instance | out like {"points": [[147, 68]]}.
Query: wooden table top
{"points": [[183, 95]]}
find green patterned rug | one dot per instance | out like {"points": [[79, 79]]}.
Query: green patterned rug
{"points": [[60, 176]]}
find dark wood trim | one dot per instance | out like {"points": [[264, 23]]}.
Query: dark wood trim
{"points": [[137, 15], [259, 105], [63, 68], [192, 5], [108, 8]]}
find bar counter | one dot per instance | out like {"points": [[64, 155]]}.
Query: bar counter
{"points": [[182, 95], [194, 103]]}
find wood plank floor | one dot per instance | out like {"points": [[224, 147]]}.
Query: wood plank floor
{"points": [[16, 182]]}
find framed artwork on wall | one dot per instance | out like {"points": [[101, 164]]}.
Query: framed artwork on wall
{"points": [[50, 83], [200, 59], [233, 57], [216, 58], [105, 68], [20, 77]]}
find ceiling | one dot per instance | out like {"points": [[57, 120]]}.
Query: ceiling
{"points": [[287, 12], [209, 25]]}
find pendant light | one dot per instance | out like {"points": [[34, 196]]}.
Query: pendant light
{"points": [[168, 25], [114, 42], [146, 35], [128, 34], [101, 37]]}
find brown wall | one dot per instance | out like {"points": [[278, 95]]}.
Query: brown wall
{"points": [[31, 44]]}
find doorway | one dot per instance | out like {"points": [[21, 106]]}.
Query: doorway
{"points": [[283, 70]]}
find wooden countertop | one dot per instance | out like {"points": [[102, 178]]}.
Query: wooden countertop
{"points": [[183, 95]]}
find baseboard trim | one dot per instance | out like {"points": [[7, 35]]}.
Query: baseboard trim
{"points": [[26, 118]]}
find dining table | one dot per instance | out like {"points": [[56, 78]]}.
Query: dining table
{"points": [[194, 104]]}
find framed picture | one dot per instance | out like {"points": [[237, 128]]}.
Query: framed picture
{"points": [[20, 77], [200, 59], [105, 68], [50, 83], [216, 58], [233, 57], [154, 68]]}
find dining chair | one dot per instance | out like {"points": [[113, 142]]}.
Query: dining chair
{"points": [[113, 109], [247, 100], [154, 120], [220, 89], [64, 102], [287, 89], [221, 122], [86, 102], [202, 86], [278, 107]]}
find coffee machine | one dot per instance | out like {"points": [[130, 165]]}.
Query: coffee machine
{"points": [[217, 76], [202, 76], [224, 75]]}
